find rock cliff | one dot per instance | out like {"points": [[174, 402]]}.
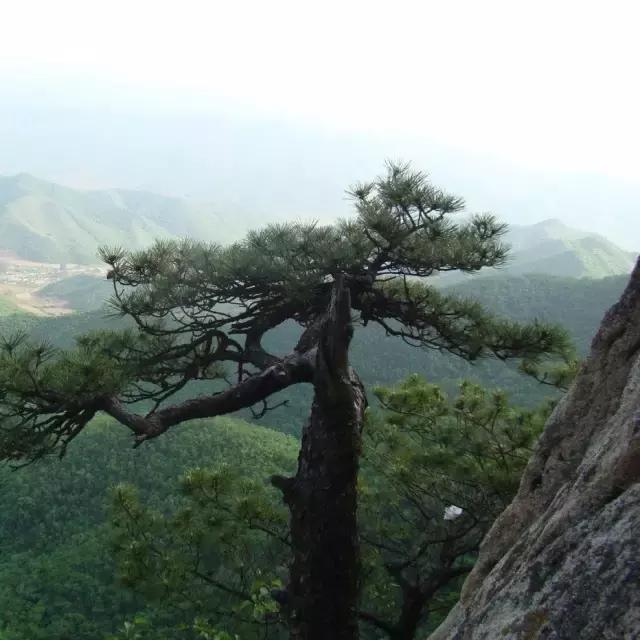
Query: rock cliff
{"points": [[563, 561]]}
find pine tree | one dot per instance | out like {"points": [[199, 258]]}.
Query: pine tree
{"points": [[200, 312]]}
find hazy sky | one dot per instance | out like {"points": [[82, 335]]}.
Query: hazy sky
{"points": [[175, 96], [550, 84]]}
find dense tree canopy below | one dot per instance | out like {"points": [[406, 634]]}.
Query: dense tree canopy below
{"points": [[422, 454], [55, 560], [55, 545], [56, 569]]}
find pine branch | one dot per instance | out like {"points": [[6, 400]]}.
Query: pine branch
{"points": [[197, 307]]}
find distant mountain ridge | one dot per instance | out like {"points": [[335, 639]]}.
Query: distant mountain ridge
{"points": [[553, 248], [47, 222]]}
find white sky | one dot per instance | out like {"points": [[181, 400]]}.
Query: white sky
{"points": [[544, 84]]}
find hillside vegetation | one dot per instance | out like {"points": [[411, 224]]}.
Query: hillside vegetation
{"points": [[56, 569], [8, 306], [47, 222], [553, 248], [577, 304], [80, 293]]}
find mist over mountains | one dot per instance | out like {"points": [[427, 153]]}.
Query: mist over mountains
{"points": [[260, 169], [553, 248], [46, 222]]}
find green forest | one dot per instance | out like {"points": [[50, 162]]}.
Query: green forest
{"points": [[218, 362]]}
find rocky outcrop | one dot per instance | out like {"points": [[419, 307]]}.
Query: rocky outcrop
{"points": [[563, 561]]}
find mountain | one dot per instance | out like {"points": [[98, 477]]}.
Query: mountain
{"points": [[576, 303], [47, 222], [277, 167], [554, 248]]}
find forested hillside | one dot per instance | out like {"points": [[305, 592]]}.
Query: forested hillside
{"points": [[56, 568], [81, 293], [577, 304], [552, 248], [47, 222]]}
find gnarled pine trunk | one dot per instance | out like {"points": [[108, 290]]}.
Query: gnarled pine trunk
{"points": [[322, 497]]}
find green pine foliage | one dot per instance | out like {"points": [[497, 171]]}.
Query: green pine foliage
{"points": [[200, 310], [203, 532], [58, 575], [202, 325], [425, 453]]}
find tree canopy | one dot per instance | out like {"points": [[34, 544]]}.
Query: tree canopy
{"points": [[201, 312], [423, 454]]}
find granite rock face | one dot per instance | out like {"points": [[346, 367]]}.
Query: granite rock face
{"points": [[563, 561]]}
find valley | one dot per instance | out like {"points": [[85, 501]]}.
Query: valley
{"points": [[21, 282]]}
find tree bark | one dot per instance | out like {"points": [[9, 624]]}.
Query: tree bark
{"points": [[413, 602], [322, 594]]}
